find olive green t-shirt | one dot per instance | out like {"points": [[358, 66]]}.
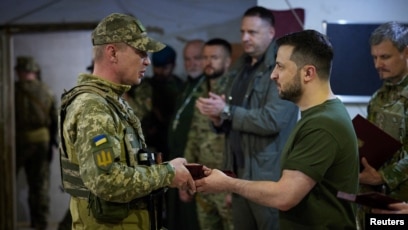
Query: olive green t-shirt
{"points": [[323, 146]]}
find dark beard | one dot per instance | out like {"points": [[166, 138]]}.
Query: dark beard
{"points": [[293, 92]]}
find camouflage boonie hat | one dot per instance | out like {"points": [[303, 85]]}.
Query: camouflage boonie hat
{"points": [[117, 28], [26, 63]]}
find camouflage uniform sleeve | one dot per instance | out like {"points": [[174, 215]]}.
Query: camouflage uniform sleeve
{"points": [[143, 99], [192, 141], [118, 182], [396, 173]]}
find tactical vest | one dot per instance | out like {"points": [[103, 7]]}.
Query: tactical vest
{"points": [[132, 143], [391, 118], [132, 152]]}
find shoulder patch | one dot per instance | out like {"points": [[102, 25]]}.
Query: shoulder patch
{"points": [[104, 158], [100, 139]]}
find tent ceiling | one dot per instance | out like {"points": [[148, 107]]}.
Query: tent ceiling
{"points": [[163, 16]]}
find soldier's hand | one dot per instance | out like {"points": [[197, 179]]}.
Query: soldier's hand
{"points": [[369, 175], [211, 106], [185, 196], [395, 208], [182, 180]]}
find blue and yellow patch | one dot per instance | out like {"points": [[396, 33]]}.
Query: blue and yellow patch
{"points": [[103, 152], [100, 139], [104, 158]]}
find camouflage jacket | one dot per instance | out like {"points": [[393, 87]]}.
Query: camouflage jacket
{"points": [[388, 109], [140, 98], [35, 108], [204, 146], [100, 142]]}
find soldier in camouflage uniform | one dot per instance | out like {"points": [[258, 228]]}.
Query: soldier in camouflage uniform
{"points": [[139, 98], [206, 147], [112, 181], [388, 109], [183, 215], [166, 88], [36, 129], [66, 222]]}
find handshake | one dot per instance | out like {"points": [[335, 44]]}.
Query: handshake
{"points": [[197, 171], [192, 177]]}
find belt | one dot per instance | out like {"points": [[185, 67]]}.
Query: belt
{"points": [[136, 204]]}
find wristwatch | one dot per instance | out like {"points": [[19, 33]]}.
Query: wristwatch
{"points": [[226, 113]]}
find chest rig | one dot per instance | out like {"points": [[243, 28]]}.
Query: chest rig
{"points": [[132, 143], [133, 152]]}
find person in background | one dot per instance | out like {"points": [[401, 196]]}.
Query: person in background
{"points": [[255, 120], [139, 98], [165, 90], [36, 134], [182, 215], [321, 155], [181, 120], [206, 147], [388, 108], [113, 181]]}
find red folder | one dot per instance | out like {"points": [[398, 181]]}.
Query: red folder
{"points": [[369, 199], [374, 144], [196, 171]]}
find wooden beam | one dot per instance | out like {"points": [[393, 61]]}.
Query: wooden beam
{"points": [[30, 28]]}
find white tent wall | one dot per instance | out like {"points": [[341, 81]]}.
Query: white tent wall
{"points": [[352, 11]]}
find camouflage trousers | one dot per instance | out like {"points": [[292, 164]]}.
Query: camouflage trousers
{"points": [[34, 158], [213, 214]]}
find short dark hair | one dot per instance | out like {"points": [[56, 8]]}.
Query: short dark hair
{"points": [[396, 32], [310, 47], [220, 42], [261, 12]]}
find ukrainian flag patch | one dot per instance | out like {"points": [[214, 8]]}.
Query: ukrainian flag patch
{"points": [[100, 139]]}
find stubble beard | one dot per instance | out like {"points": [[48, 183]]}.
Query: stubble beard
{"points": [[293, 92]]}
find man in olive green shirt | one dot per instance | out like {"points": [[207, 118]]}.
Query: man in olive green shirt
{"points": [[320, 157]]}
